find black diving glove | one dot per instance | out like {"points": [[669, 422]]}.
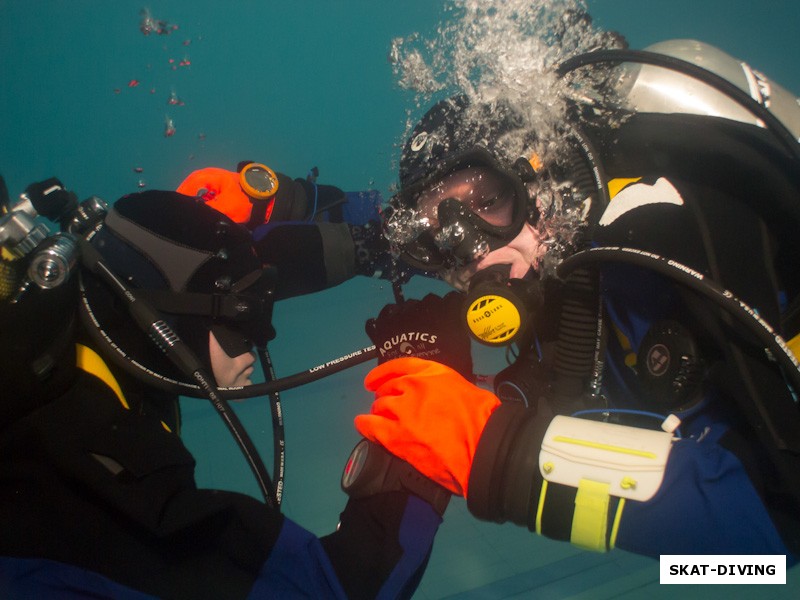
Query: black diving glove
{"points": [[430, 328], [371, 250]]}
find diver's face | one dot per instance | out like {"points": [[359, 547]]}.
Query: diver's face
{"points": [[229, 371]]}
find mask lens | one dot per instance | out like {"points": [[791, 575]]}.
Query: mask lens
{"points": [[262, 332], [483, 192], [232, 340], [245, 316]]}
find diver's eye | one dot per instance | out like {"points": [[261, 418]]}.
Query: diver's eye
{"points": [[487, 207], [487, 203], [496, 209]]}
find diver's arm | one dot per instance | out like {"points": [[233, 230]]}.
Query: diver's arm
{"points": [[379, 550], [311, 257], [706, 503], [382, 544], [308, 257]]}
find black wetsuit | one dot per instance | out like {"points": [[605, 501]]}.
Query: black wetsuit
{"points": [[100, 500]]}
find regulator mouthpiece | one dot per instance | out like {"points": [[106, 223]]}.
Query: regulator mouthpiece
{"points": [[458, 236], [497, 309]]}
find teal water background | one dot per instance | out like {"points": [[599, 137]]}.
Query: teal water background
{"points": [[300, 84]]}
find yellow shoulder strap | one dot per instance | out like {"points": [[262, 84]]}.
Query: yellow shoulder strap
{"points": [[90, 361], [794, 346], [616, 185]]}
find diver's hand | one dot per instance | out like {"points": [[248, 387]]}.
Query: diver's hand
{"points": [[430, 328], [428, 415], [371, 249]]}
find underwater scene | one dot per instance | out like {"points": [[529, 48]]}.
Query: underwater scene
{"points": [[118, 97]]}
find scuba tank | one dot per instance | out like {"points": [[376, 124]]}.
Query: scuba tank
{"points": [[649, 88]]}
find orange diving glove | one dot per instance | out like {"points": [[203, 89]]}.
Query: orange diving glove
{"points": [[221, 190], [428, 415]]}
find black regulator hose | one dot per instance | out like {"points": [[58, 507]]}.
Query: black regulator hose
{"points": [[589, 176], [278, 431], [581, 335], [772, 123], [292, 381], [579, 346]]}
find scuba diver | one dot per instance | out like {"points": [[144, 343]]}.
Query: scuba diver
{"points": [[339, 232], [645, 273], [105, 322]]}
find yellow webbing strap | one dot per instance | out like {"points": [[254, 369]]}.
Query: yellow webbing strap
{"points": [[540, 508], [598, 520], [590, 520], [615, 527], [88, 360]]}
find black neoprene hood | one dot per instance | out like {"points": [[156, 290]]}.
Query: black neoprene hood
{"points": [[184, 258], [449, 132]]}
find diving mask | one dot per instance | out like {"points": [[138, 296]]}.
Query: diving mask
{"points": [[459, 216]]}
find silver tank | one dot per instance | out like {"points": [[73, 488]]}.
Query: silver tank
{"points": [[647, 88]]}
